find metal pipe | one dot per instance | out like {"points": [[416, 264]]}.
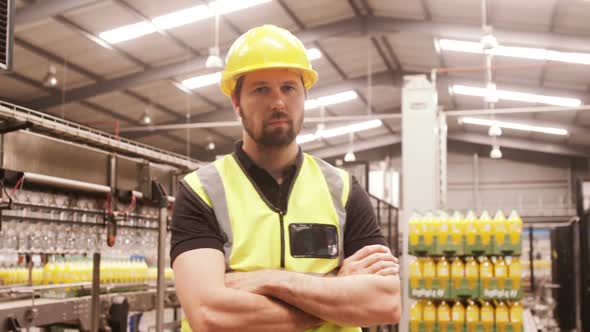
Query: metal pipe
{"points": [[531, 259], [66, 183], [161, 285], [217, 124], [139, 195], [95, 300]]}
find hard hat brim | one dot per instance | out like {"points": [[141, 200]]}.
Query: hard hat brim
{"points": [[229, 79]]}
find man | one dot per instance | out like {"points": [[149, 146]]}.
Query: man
{"points": [[256, 233]]}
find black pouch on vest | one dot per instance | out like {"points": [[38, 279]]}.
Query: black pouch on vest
{"points": [[313, 240]]}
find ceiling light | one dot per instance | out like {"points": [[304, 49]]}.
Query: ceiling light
{"points": [[201, 81], [146, 118], [313, 54], [492, 95], [495, 130], [176, 19], [516, 52], [489, 42], [515, 96], [50, 79], [211, 146], [496, 153], [349, 157], [514, 125], [339, 131], [336, 98], [214, 60]]}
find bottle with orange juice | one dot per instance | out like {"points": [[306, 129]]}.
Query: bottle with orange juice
{"points": [[500, 273], [442, 228], [470, 223], [416, 316], [443, 316], [428, 228], [472, 319], [429, 316], [456, 229], [499, 229], [458, 316], [443, 275], [487, 316], [516, 316], [472, 273], [428, 272], [484, 228], [515, 272], [415, 273], [457, 274], [514, 230], [502, 317], [415, 229], [486, 273]]}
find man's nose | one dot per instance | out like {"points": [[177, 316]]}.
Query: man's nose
{"points": [[278, 100]]}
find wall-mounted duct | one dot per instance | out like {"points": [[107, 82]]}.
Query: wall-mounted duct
{"points": [[6, 33]]}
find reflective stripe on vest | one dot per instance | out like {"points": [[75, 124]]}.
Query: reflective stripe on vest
{"points": [[257, 235]]}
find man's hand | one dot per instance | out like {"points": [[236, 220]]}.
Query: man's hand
{"points": [[374, 259], [251, 282]]}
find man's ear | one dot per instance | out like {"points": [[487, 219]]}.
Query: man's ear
{"points": [[236, 105]]}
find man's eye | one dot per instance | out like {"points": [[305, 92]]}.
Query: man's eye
{"points": [[261, 89], [288, 88]]}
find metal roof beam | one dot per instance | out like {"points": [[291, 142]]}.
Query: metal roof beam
{"points": [[45, 9], [367, 144]]}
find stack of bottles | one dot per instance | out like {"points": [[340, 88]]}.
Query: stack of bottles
{"points": [[442, 233], [471, 316], [70, 270], [496, 277]]}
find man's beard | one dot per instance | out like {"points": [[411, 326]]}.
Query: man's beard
{"points": [[272, 137]]}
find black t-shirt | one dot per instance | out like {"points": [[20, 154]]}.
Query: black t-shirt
{"points": [[194, 225]]}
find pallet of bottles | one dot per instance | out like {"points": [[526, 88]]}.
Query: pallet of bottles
{"points": [[466, 316], [443, 233], [490, 278]]}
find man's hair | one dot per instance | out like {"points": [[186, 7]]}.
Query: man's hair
{"points": [[240, 84]]}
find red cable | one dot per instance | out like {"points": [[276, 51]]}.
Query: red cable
{"points": [[18, 183]]}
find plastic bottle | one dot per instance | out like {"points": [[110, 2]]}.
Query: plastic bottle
{"points": [[49, 272], [472, 316], [428, 228], [499, 227], [486, 272], [429, 316], [415, 229], [441, 228], [415, 273], [514, 228], [502, 317], [443, 274], [428, 271], [516, 316], [487, 316], [458, 316], [416, 316], [456, 228], [470, 222], [443, 316], [471, 272], [515, 272], [484, 227], [457, 273], [500, 273]]}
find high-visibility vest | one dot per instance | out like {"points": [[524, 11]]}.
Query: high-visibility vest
{"points": [[258, 235]]}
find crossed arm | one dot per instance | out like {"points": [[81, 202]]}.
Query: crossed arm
{"points": [[365, 292]]}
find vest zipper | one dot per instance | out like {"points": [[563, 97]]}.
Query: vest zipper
{"points": [[282, 222]]}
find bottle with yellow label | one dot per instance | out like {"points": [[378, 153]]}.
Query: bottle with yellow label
{"points": [[443, 275], [486, 272], [458, 317], [471, 272], [429, 316], [416, 316], [428, 225], [514, 227], [515, 272], [500, 273], [457, 273], [502, 317], [443, 316], [456, 228], [415, 229], [472, 316], [470, 222], [428, 271], [415, 273], [487, 316], [442, 228], [499, 227], [516, 316], [484, 227]]}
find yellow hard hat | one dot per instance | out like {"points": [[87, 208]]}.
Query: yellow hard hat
{"points": [[263, 47]]}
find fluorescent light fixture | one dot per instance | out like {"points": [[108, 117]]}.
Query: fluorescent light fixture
{"points": [[513, 125], [515, 96], [515, 52], [349, 157], [201, 81], [336, 98], [313, 54], [176, 19], [339, 131], [496, 153]]}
